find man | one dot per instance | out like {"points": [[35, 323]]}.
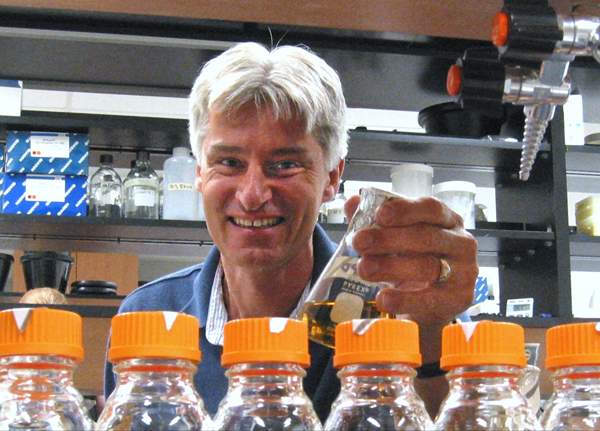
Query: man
{"points": [[268, 129]]}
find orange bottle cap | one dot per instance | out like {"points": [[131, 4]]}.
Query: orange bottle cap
{"points": [[154, 334], [573, 344], [265, 339], [41, 331], [454, 80], [483, 343], [500, 26], [368, 341]]}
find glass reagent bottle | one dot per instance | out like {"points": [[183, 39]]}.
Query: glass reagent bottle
{"points": [[39, 351], [484, 360], [106, 190], [265, 358], [154, 354], [376, 357], [141, 190], [573, 357]]}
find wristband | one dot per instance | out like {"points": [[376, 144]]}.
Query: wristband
{"points": [[432, 369]]}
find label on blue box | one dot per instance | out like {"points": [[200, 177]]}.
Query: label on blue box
{"points": [[47, 153], [45, 194]]}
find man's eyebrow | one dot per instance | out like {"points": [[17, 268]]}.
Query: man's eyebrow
{"points": [[224, 148], [289, 151]]}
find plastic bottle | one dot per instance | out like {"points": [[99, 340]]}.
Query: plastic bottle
{"points": [[484, 360], [154, 353], [39, 351], [340, 294], [335, 208], [376, 357], [573, 357], [106, 190], [179, 189], [266, 358], [141, 189]]}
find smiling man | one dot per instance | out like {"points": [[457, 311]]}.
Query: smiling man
{"points": [[268, 128]]}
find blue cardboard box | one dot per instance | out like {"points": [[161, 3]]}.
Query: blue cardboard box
{"points": [[47, 153], [45, 194]]}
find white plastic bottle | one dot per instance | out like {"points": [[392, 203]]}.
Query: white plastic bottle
{"points": [[377, 359], [39, 351], [154, 353], [180, 197]]}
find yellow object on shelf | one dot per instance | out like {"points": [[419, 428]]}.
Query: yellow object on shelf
{"points": [[587, 215]]}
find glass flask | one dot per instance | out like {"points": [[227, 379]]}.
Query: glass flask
{"points": [[154, 353], [340, 294], [573, 357], [39, 351], [266, 358], [141, 190], [106, 190], [484, 360], [377, 359]]}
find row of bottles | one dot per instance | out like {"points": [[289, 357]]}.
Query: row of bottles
{"points": [[155, 356], [142, 194]]}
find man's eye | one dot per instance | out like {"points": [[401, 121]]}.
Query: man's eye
{"points": [[285, 165], [230, 163]]}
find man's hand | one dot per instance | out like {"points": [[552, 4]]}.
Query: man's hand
{"points": [[405, 248]]}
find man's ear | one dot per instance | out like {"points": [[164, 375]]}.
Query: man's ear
{"points": [[335, 178], [198, 178]]}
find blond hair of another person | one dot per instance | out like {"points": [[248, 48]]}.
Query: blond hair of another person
{"points": [[43, 295]]}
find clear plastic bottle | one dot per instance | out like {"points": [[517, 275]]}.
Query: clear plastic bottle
{"points": [[376, 357], [106, 190], [39, 351], [266, 358], [141, 190], [573, 357], [154, 353], [335, 208], [484, 360], [340, 294], [179, 186]]}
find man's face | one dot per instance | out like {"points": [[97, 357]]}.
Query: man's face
{"points": [[262, 182]]}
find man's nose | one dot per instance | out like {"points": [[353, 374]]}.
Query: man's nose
{"points": [[254, 189]]}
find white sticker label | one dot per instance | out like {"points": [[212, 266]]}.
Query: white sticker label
{"points": [[170, 317], [49, 145], [277, 324], [144, 198], [45, 190], [468, 328], [22, 317], [360, 326], [180, 187]]}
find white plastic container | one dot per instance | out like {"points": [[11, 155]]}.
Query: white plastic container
{"points": [[412, 180], [460, 197], [180, 197]]}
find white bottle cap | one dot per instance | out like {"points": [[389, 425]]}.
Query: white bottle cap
{"points": [[181, 151], [455, 186]]}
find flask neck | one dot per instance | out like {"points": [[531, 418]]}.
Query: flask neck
{"points": [[365, 380], [262, 379], [38, 374]]}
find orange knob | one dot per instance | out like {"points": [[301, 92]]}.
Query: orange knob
{"points": [[500, 26], [454, 80]]}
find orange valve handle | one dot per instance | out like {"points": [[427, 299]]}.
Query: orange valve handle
{"points": [[500, 26], [454, 80]]}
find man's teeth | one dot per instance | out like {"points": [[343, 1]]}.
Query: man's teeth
{"points": [[266, 222]]}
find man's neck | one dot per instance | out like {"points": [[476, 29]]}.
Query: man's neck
{"points": [[265, 292]]}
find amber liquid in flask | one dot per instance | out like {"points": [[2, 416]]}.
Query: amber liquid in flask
{"points": [[340, 294]]}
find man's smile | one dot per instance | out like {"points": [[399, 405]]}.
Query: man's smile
{"points": [[261, 223]]}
